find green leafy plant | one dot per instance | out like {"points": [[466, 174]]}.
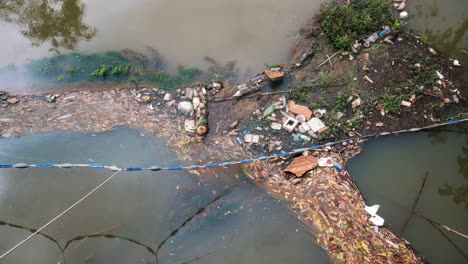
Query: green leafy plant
{"points": [[323, 79], [301, 94], [72, 69], [160, 76], [203, 123], [341, 102], [392, 103], [120, 70], [345, 22], [318, 105], [424, 39], [272, 66], [101, 72], [341, 128], [133, 79]]}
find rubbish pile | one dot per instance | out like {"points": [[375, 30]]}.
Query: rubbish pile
{"points": [[6, 100], [384, 35], [323, 195], [261, 80], [190, 102], [302, 122]]}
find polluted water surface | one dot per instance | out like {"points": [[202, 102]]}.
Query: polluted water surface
{"points": [[390, 172], [148, 217]]}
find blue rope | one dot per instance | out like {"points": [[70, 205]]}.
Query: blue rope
{"points": [[225, 164]]}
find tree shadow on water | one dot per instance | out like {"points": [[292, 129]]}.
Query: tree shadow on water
{"points": [[58, 22], [459, 194]]}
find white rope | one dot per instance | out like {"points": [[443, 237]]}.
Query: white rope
{"points": [[58, 216]]}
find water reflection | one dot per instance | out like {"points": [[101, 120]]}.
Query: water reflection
{"points": [[58, 22], [459, 194], [448, 34], [32, 230], [80, 239], [444, 23]]}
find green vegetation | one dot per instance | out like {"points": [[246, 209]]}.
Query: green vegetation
{"points": [[77, 66], [424, 39], [301, 94], [101, 72], [272, 66], [203, 123], [120, 70], [392, 103], [340, 129], [342, 102], [124, 65], [323, 79], [344, 23], [318, 105], [115, 71], [72, 69], [133, 79], [422, 75]]}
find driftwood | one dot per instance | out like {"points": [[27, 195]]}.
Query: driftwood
{"points": [[415, 202], [216, 100], [328, 59]]}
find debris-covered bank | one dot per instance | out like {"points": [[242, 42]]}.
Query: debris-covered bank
{"points": [[334, 88]]}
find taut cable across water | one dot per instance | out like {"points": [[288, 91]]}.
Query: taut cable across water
{"points": [[58, 216], [225, 164]]}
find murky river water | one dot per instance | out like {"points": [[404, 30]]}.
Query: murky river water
{"points": [[137, 211], [389, 172], [445, 23], [254, 32]]}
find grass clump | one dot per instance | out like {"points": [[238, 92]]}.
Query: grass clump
{"points": [[318, 105], [323, 79], [114, 71], [392, 103], [120, 70], [101, 72], [342, 102], [344, 23], [72, 69], [424, 39], [301, 95]]}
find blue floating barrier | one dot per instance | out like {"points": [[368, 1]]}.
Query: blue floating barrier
{"points": [[96, 166], [134, 169], [175, 168]]}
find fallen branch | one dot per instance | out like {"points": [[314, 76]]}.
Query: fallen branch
{"points": [[440, 97], [435, 225], [442, 225], [328, 59], [272, 93], [415, 202]]}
